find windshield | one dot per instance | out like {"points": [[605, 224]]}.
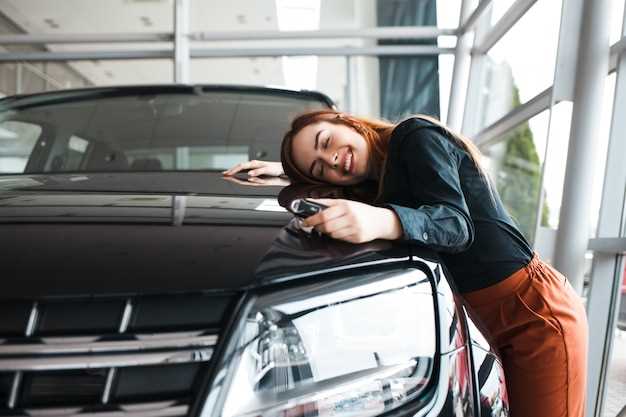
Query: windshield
{"points": [[146, 132]]}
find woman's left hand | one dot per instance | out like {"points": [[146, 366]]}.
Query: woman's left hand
{"points": [[259, 182], [355, 222]]}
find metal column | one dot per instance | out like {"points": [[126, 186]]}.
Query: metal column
{"points": [[349, 85], [563, 89], [591, 71], [19, 78], [181, 41], [460, 73], [481, 24]]}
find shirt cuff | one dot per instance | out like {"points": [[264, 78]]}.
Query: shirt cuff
{"points": [[413, 223]]}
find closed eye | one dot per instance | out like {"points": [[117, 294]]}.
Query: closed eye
{"points": [[327, 142]]}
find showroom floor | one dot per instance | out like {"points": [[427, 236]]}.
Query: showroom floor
{"points": [[616, 395]]}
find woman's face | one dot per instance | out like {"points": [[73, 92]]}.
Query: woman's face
{"points": [[333, 153]]}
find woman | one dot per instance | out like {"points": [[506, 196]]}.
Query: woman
{"points": [[434, 191]]}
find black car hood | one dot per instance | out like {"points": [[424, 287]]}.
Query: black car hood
{"points": [[88, 234]]}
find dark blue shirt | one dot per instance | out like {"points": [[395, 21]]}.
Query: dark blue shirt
{"points": [[445, 202]]}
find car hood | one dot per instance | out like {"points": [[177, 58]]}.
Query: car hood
{"points": [[95, 234]]}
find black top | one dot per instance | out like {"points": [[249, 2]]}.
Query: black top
{"points": [[444, 202]]}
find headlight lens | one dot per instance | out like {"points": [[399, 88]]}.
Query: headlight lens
{"points": [[358, 346]]}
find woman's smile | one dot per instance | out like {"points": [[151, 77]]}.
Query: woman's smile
{"points": [[347, 162]]}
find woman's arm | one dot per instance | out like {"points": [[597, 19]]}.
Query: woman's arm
{"points": [[257, 168], [440, 217]]}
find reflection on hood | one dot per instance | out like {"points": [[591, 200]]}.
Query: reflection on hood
{"points": [[295, 252]]}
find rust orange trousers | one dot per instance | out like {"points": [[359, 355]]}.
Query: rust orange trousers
{"points": [[539, 325]]}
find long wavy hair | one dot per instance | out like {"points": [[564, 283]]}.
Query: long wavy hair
{"points": [[376, 134]]}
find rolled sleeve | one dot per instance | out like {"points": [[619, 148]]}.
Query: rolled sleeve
{"points": [[440, 217]]}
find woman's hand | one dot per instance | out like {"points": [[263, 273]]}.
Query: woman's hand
{"points": [[256, 168], [259, 182], [355, 222]]}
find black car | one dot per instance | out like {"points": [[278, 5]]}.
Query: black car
{"points": [[137, 281]]}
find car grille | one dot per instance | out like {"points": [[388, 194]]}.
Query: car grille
{"points": [[138, 356]]}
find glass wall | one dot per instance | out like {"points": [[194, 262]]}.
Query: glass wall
{"points": [[499, 8], [521, 64], [353, 83], [528, 156], [520, 114], [515, 164], [617, 20]]}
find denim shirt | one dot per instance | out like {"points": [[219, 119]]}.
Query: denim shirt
{"points": [[444, 202]]}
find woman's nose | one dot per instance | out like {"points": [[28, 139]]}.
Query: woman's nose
{"points": [[334, 159]]}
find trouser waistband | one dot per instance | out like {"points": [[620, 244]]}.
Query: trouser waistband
{"points": [[505, 287]]}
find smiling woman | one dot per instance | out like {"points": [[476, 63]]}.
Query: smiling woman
{"points": [[335, 148], [433, 191]]}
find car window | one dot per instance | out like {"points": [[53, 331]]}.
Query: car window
{"points": [[148, 132], [17, 140], [187, 157], [67, 154]]}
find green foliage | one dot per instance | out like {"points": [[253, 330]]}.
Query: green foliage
{"points": [[519, 177]]}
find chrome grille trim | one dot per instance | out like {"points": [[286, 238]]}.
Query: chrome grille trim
{"points": [[55, 363], [15, 386], [128, 310], [32, 319], [140, 410], [147, 406], [40, 352], [108, 386], [17, 377], [141, 343], [124, 322]]}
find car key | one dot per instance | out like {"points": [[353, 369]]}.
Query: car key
{"points": [[304, 208]]}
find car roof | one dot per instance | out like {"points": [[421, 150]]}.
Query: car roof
{"points": [[50, 97]]}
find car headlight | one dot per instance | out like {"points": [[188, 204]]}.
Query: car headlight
{"points": [[357, 346]]}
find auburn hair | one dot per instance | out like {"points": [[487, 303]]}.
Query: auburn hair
{"points": [[376, 133]]}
